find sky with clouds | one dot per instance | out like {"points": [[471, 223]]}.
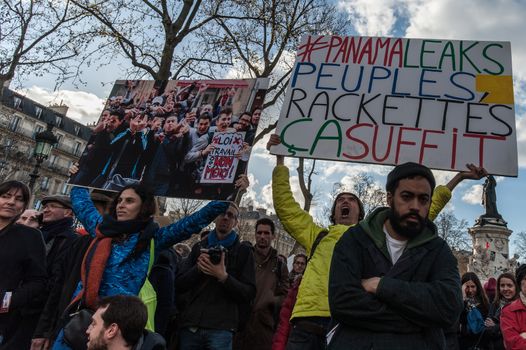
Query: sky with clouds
{"points": [[501, 20]]}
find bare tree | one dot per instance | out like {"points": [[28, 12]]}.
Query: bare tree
{"points": [[181, 207], [520, 244], [147, 33], [39, 36], [453, 230], [260, 37]]}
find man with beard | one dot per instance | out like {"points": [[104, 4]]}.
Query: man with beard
{"points": [[393, 283], [311, 315], [118, 324], [271, 288]]}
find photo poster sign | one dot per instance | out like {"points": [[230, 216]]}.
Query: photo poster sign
{"points": [[165, 134], [441, 103]]}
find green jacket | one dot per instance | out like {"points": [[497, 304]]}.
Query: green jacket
{"points": [[415, 300]]}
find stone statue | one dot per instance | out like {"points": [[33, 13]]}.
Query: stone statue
{"points": [[489, 198], [489, 201]]}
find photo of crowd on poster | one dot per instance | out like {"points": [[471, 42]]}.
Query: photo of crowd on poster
{"points": [[188, 139]]}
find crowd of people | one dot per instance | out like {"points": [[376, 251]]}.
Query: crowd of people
{"points": [[162, 140], [378, 280]]}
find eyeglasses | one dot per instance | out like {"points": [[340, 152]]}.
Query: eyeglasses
{"points": [[229, 215], [53, 206]]}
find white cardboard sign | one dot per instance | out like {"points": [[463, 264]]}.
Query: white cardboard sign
{"points": [[442, 103], [221, 163]]}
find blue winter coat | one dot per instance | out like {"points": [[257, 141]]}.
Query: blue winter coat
{"points": [[125, 275]]}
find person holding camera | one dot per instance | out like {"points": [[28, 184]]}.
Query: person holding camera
{"points": [[218, 280]]}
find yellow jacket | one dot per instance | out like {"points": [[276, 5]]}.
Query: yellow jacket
{"points": [[313, 299]]}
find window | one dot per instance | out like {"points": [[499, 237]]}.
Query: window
{"points": [[38, 128], [38, 112], [58, 121], [52, 159], [65, 188], [17, 102], [14, 123], [77, 148], [44, 185], [59, 139], [77, 130]]}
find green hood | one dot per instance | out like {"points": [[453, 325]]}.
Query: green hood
{"points": [[373, 225]]}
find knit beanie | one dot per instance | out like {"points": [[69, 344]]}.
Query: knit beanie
{"points": [[361, 215], [406, 170]]}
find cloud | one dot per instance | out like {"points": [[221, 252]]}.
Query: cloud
{"points": [[333, 168], [372, 17], [471, 20], [473, 195], [83, 106]]}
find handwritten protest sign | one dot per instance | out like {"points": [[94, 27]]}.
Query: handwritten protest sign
{"points": [[159, 134], [442, 103], [221, 163]]}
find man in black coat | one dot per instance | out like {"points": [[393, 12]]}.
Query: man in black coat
{"points": [[58, 232], [22, 269], [220, 284], [65, 271], [394, 284]]}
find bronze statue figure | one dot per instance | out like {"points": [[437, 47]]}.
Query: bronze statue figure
{"points": [[489, 198]]}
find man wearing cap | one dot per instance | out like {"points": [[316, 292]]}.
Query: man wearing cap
{"points": [[57, 226], [393, 283], [311, 314], [59, 233]]}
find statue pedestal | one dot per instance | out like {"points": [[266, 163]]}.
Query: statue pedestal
{"points": [[490, 255]]}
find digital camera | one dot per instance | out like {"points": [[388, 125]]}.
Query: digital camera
{"points": [[215, 253]]}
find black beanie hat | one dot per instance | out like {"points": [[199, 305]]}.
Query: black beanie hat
{"points": [[406, 170], [520, 274], [361, 215]]}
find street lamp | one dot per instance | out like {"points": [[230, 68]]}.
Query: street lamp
{"points": [[45, 141]]}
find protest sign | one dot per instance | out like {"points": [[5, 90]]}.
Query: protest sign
{"points": [[221, 163], [442, 103], [177, 137]]}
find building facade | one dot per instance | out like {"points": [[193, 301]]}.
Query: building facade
{"points": [[20, 120]]}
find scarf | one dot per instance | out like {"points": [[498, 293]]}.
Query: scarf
{"points": [[227, 242], [96, 257], [52, 229]]}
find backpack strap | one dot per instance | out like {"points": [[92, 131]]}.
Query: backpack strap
{"points": [[317, 242], [152, 256]]}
